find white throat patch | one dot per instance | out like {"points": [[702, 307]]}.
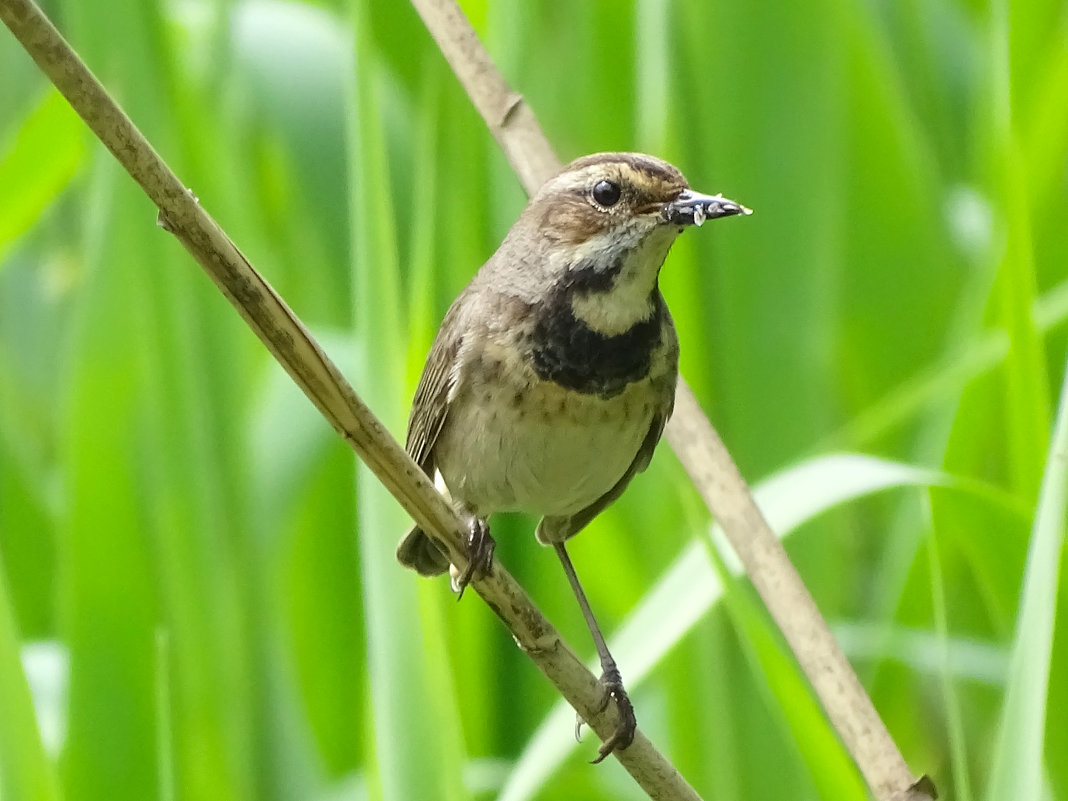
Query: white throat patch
{"points": [[630, 300]]}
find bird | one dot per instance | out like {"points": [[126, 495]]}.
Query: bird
{"points": [[553, 373]]}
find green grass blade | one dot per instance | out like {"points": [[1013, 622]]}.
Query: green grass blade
{"points": [[954, 724], [47, 151], [1026, 387], [1018, 756], [417, 754], [26, 773]]}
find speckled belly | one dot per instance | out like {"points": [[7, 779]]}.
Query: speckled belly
{"points": [[541, 449]]}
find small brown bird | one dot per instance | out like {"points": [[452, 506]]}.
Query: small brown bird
{"points": [[553, 374]]}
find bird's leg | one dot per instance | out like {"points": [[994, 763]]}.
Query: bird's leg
{"points": [[480, 547], [610, 677]]}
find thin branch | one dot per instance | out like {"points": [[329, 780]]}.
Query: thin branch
{"points": [[701, 451], [507, 115], [312, 370]]}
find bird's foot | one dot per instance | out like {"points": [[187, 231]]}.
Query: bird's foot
{"points": [[480, 546], [623, 736]]}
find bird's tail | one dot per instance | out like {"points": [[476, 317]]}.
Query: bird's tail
{"points": [[417, 551]]}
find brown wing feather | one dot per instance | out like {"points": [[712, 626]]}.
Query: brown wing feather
{"points": [[430, 408], [431, 404]]}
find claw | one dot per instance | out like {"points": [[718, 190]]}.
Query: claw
{"points": [[480, 546], [580, 721], [624, 733]]}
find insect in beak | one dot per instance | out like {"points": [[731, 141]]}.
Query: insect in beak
{"points": [[693, 208]]}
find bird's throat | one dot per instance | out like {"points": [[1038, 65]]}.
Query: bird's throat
{"points": [[625, 292]]}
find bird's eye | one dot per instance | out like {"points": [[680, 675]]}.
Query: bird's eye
{"points": [[606, 193]]}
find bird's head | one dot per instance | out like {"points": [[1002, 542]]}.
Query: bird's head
{"points": [[623, 197], [601, 229]]}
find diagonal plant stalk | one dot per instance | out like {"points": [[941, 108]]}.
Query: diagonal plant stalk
{"points": [[291, 344], [701, 451]]}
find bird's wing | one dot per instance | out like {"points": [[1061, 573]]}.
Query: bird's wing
{"points": [[431, 404], [430, 408]]}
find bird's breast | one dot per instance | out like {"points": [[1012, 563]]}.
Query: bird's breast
{"points": [[540, 448], [551, 437], [565, 350]]}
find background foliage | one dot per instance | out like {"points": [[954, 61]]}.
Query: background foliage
{"points": [[196, 579]]}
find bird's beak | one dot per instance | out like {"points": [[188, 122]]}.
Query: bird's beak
{"points": [[693, 208]]}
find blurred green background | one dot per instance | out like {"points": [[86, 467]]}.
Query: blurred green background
{"points": [[196, 578]]}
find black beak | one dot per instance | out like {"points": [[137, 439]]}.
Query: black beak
{"points": [[693, 208]]}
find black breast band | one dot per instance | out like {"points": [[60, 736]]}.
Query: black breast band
{"points": [[566, 351]]}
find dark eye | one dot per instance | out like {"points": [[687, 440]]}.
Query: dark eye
{"points": [[606, 193]]}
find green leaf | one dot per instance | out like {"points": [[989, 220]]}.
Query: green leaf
{"points": [[46, 151], [26, 773], [1017, 770], [418, 743]]}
